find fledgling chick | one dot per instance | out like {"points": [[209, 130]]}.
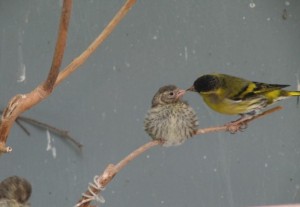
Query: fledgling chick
{"points": [[170, 119], [14, 192]]}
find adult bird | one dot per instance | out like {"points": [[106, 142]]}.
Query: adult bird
{"points": [[232, 95]]}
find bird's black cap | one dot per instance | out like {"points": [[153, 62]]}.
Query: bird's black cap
{"points": [[206, 83]]}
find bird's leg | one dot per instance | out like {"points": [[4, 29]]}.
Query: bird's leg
{"points": [[239, 124]]}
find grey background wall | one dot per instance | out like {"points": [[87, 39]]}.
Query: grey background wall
{"points": [[103, 104]]}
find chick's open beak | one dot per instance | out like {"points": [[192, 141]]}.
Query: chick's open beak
{"points": [[192, 88], [180, 93]]}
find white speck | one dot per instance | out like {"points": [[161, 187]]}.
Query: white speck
{"points": [[252, 5], [113, 192], [26, 18], [162, 202], [269, 19], [49, 144], [137, 120], [54, 152], [22, 72], [243, 17], [185, 53], [148, 156], [194, 51], [115, 110], [222, 196], [114, 68], [228, 63], [22, 67], [135, 107], [266, 165], [269, 156], [281, 153], [215, 170], [204, 157], [154, 37], [103, 115], [127, 64], [180, 54], [297, 187], [287, 3], [49, 140]]}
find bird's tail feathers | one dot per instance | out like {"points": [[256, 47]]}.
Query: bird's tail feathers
{"points": [[293, 93]]}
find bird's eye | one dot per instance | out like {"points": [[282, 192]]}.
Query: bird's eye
{"points": [[171, 93]]}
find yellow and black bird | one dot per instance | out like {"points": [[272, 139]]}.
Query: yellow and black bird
{"points": [[231, 95], [170, 119]]}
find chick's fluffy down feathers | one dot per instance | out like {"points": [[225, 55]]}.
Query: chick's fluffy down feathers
{"points": [[172, 121]]}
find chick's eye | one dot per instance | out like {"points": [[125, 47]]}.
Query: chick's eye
{"points": [[171, 93]]}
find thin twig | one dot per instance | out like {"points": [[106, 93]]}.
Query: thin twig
{"points": [[22, 127], [60, 132], [136, 153], [225, 128], [93, 46]]}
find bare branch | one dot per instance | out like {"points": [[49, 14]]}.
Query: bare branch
{"points": [[60, 46], [225, 128], [111, 170], [21, 103], [93, 46]]}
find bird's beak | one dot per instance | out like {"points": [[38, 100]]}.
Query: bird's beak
{"points": [[180, 93], [192, 88]]}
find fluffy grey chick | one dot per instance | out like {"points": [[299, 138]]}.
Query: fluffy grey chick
{"points": [[14, 192], [170, 119]]}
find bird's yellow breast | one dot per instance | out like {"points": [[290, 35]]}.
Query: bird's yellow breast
{"points": [[225, 106]]}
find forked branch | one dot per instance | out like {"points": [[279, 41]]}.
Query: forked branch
{"points": [[23, 102]]}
